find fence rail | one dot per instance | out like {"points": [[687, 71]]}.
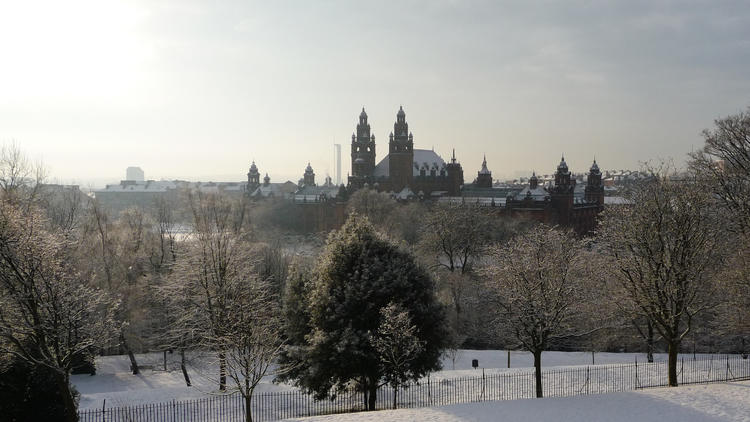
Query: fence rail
{"points": [[434, 392]]}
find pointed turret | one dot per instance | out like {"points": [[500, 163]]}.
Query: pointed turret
{"points": [[401, 153], [484, 176], [363, 153], [594, 191]]}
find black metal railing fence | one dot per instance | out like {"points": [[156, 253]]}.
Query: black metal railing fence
{"points": [[518, 384]]}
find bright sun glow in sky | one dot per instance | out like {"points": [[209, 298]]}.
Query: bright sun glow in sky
{"points": [[197, 90]]}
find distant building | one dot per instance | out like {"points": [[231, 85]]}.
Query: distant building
{"points": [[255, 189], [562, 202], [134, 174], [415, 174], [131, 193], [405, 171]]}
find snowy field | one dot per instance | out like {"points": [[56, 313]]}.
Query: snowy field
{"points": [[696, 403], [114, 383]]}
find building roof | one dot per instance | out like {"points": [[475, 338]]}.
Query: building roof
{"points": [[139, 186], [538, 194], [316, 193], [421, 157], [473, 191], [616, 200], [274, 189]]}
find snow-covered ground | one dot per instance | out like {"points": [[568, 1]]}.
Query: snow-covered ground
{"points": [[114, 383], [697, 403]]}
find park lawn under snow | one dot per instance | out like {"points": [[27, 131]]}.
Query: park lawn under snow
{"points": [[115, 383], [696, 403]]}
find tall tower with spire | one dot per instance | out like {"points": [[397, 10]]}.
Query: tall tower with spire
{"points": [[363, 152], [455, 175], [401, 153], [594, 187]]}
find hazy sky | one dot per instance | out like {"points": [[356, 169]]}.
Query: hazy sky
{"points": [[196, 90]]}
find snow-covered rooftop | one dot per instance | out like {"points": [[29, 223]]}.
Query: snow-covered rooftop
{"points": [[422, 157]]}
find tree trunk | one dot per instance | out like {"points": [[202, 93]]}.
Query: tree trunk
{"points": [[373, 396], [184, 368], [395, 395], [69, 404], [538, 372], [674, 347], [458, 318], [650, 342], [248, 393], [131, 356], [364, 392], [222, 371]]}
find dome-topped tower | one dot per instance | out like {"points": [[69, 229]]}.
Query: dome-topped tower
{"points": [[309, 177], [562, 194], [266, 180], [253, 179], [594, 188], [533, 181], [562, 176]]}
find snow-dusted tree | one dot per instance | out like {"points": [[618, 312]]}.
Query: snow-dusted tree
{"points": [[117, 262], [397, 343], [358, 274], [164, 214], [725, 163], [48, 314], [539, 284], [666, 246], [214, 266], [378, 207], [252, 337], [454, 237], [20, 178]]}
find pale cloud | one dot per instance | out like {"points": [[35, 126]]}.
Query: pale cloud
{"points": [[193, 89]]}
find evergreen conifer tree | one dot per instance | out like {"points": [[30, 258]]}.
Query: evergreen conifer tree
{"points": [[359, 274]]}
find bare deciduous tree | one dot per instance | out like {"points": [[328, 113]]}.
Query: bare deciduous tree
{"points": [[165, 221], [725, 161], [216, 260], [252, 338], [48, 314], [666, 246], [454, 237], [538, 283], [20, 178]]}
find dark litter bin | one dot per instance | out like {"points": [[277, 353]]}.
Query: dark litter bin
{"points": [[475, 363]]}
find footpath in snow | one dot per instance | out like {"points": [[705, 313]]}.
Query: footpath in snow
{"points": [[697, 403]]}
